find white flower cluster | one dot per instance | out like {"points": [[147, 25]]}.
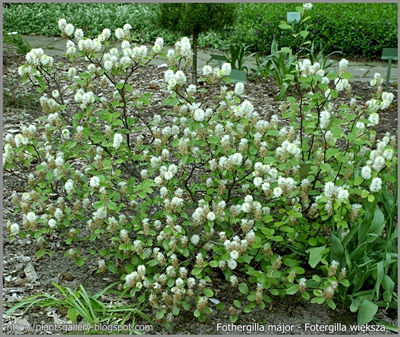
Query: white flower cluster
{"points": [[245, 109], [183, 48], [343, 64], [123, 33], [37, 57], [89, 45], [67, 29], [324, 119], [384, 103], [136, 278], [203, 212], [250, 205], [342, 84], [174, 80], [308, 69], [117, 141], [165, 173], [288, 149], [377, 80], [307, 6], [229, 163], [333, 192], [136, 53], [158, 45], [377, 161], [84, 98]]}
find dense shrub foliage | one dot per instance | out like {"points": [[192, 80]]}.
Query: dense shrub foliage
{"points": [[359, 29], [277, 205]]}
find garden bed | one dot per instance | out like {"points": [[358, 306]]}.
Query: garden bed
{"points": [[21, 108]]}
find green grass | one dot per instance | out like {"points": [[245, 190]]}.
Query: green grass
{"points": [[356, 29]]}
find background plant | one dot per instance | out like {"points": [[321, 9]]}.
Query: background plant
{"points": [[356, 29], [80, 305], [204, 186], [191, 19], [15, 39]]}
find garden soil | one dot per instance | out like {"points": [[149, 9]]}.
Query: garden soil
{"points": [[24, 275]]}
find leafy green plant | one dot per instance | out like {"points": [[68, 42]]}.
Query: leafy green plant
{"points": [[15, 39], [201, 184], [237, 56], [325, 61], [370, 257], [81, 306], [279, 64], [194, 18]]}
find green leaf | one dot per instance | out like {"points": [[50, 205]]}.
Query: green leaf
{"points": [[247, 308], [366, 312], [170, 102], [233, 318], [315, 255], [72, 314], [318, 300], [292, 290], [40, 253], [197, 313], [346, 75], [331, 304], [237, 303], [175, 311], [208, 292], [284, 25], [243, 288], [160, 314], [305, 295]]}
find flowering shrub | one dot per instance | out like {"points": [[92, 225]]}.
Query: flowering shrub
{"points": [[207, 185]]}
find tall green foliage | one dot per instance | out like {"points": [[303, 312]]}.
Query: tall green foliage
{"points": [[194, 18]]}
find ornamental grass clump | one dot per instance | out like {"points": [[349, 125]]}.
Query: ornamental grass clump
{"points": [[204, 186]]}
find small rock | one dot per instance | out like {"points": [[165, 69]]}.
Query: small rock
{"points": [[30, 272]]}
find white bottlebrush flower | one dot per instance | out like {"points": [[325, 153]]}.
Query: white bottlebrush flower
{"points": [[199, 115], [158, 45], [69, 29], [95, 182], [376, 184], [307, 6], [366, 172], [61, 24], [119, 33], [330, 189], [14, 229], [69, 186], [168, 175], [211, 216], [379, 163], [141, 270], [388, 154], [232, 264], [343, 64], [239, 88], [258, 181], [195, 239], [31, 217], [226, 69], [343, 195], [79, 34], [52, 223], [234, 254], [118, 138], [277, 192], [324, 119], [207, 70], [374, 118]]}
